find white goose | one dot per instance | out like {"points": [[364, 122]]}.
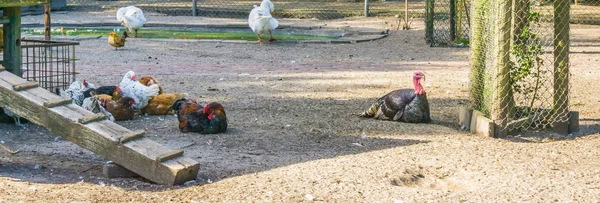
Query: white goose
{"points": [[132, 17], [261, 20]]}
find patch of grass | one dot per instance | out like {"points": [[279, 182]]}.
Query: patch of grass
{"points": [[178, 34]]}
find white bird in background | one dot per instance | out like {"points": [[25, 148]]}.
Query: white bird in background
{"points": [[132, 17], [141, 93], [261, 20]]}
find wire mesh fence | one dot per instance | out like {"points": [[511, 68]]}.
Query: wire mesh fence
{"points": [[519, 65], [318, 9], [50, 63], [447, 22], [585, 12]]}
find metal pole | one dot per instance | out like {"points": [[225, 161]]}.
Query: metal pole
{"points": [[47, 27], [406, 12], [452, 20], [195, 7], [366, 8]]}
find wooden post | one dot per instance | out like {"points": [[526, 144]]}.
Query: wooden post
{"points": [[366, 8], [194, 7], [452, 20], [47, 27], [12, 40], [429, 6], [501, 100], [478, 55], [561, 65]]}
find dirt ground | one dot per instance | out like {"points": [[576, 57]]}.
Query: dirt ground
{"points": [[293, 137]]}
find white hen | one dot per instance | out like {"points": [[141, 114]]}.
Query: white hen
{"points": [[132, 17], [261, 21], [141, 93]]}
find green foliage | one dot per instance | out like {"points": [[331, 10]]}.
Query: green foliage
{"points": [[528, 64]]}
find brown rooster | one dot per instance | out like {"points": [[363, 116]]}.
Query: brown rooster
{"points": [[149, 80], [186, 110], [216, 121], [121, 109], [161, 104]]}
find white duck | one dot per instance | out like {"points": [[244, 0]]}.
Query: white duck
{"points": [[132, 17], [261, 21]]}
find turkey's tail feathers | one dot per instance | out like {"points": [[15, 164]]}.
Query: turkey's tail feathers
{"points": [[152, 90], [373, 109]]}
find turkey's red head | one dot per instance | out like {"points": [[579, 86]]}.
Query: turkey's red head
{"points": [[85, 83], [417, 82]]}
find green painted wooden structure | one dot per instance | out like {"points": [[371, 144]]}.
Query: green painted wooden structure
{"points": [[12, 31]]}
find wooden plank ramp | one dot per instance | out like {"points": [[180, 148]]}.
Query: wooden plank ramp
{"points": [[127, 148]]}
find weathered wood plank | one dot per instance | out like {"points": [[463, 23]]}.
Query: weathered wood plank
{"points": [[169, 155], [131, 136], [92, 118], [138, 155], [57, 102], [25, 85]]}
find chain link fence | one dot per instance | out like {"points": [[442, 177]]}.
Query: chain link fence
{"points": [[519, 64], [585, 12], [447, 22], [305, 9]]}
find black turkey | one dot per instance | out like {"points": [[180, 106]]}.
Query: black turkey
{"points": [[405, 105]]}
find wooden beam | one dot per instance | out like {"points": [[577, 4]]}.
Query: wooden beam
{"points": [[131, 136], [102, 137], [169, 155], [92, 118], [25, 85], [57, 102]]}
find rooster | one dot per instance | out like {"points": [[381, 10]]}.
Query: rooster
{"points": [[216, 121], [117, 41], [123, 109], [187, 111], [149, 80], [161, 104], [113, 91], [130, 87], [193, 117], [405, 105], [75, 91]]}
